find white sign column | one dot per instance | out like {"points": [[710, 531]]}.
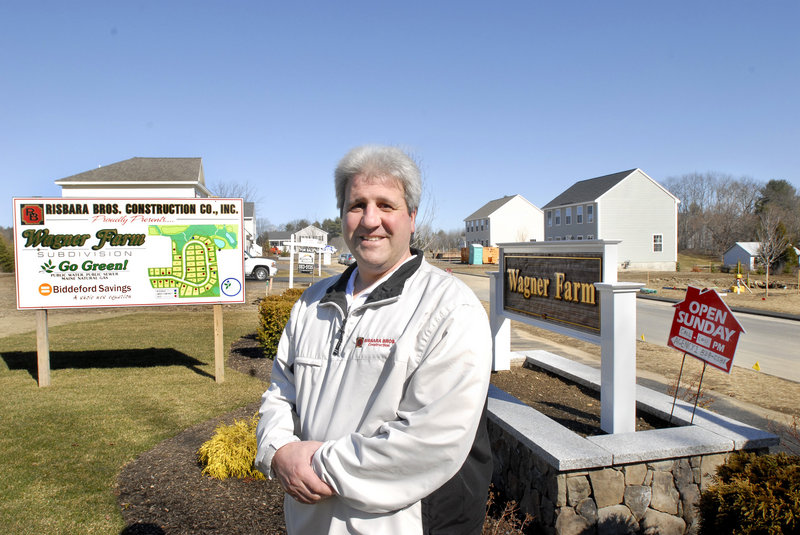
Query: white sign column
{"points": [[618, 356], [499, 324]]}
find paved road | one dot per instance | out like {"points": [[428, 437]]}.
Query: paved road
{"points": [[773, 343]]}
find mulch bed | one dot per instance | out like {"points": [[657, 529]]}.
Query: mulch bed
{"points": [[164, 492], [574, 406]]}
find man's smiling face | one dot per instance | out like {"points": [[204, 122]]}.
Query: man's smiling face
{"points": [[376, 225]]}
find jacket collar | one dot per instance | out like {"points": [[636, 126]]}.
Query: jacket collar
{"points": [[392, 287]]}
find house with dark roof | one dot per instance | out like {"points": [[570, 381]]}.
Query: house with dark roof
{"points": [[156, 178], [508, 219], [628, 206], [140, 177]]}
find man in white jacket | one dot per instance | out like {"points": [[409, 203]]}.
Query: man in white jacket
{"points": [[374, 422]]}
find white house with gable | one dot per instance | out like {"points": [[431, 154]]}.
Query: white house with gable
{"points": [[628, 206], [309, 236], [509, 219]]}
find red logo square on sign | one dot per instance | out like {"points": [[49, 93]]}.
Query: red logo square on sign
{"points": [[31, 214]]}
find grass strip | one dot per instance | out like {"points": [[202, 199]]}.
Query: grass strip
{"points": [[119, 386]]}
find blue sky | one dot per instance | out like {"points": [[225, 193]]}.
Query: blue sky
{"points": [[493, 98]]}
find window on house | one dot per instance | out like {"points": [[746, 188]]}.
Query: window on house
{"points": [[589, 213], [558, 216], [568, 216], [549, 219], [590, 236], [579, 214], [658, 243], [580, 236]]}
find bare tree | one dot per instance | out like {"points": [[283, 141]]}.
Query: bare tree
{"points": [[245, 190], [424, 237], [424, 234], [695, 191], [265, 224], [716, 210], [772, 240], [731, 215]]}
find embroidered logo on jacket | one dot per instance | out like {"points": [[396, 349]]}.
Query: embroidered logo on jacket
{"points": [[374, 342]]}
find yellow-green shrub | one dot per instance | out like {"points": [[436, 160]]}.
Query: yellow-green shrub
{"points": [[231, 451], [273, 313], [754, 494]]}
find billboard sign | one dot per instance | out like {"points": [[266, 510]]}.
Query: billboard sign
{"points": [[127, 252]]}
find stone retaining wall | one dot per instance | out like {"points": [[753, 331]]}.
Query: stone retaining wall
{"points": [[645, 482], [648, 497]]}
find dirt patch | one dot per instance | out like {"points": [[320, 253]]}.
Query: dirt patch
{"points": [[784, 299], [663, 364], [574, 406]]}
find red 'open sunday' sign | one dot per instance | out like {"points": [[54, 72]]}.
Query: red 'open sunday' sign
{"points": [[704, 327]]}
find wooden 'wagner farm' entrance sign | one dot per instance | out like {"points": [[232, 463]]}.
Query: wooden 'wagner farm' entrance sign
{"points": [[571, 288], [554, 287]]}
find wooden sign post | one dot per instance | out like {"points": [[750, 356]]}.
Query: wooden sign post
{"points": [[219, 350], [42, 349]]}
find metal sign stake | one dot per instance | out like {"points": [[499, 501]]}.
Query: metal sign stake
{"points": [[697, 397], [677, 387]]}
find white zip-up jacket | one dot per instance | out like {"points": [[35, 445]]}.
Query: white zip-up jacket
{"points": [[396, 390]]}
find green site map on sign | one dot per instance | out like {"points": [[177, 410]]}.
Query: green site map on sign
{"points": [[194, 271]]}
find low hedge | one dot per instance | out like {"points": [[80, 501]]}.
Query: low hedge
{"points": [[273, 313], [753, 494]]}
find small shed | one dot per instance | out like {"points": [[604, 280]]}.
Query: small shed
{"points": [[745, 252]]}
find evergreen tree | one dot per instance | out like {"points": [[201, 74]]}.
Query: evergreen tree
{"points": [[6, 256]]}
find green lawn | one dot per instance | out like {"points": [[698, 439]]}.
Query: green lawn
{"points": [[119, 386], [688, 260]]}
